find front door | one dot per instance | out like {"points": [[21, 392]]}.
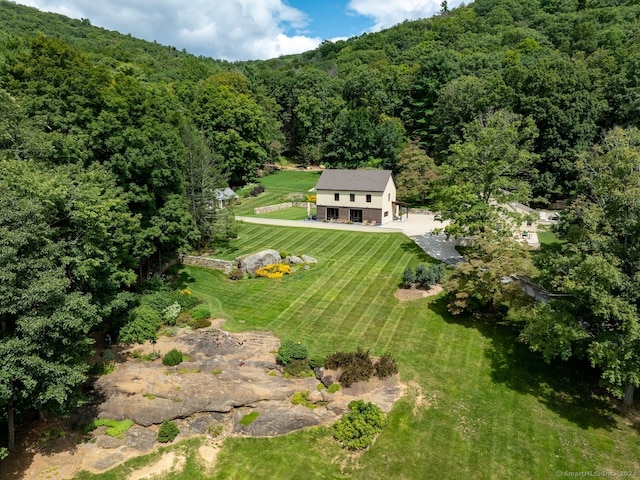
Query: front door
{"points": [[355, 215]]}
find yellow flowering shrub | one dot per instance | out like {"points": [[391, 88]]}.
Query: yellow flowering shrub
{"points": [[274, 270], [311, 198], [186, 291]]}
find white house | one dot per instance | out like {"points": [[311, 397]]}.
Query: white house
{"points": [[367, 196]]}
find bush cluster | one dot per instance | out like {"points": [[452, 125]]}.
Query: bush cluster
{"points": [[289, 351], [154, 309], [257, 190], [423, 276], [316, 361], [274, 270], [359, 367], [201, 323], [167, 432], [143, 325], [172, 358], [358, 428], [298, 368]]}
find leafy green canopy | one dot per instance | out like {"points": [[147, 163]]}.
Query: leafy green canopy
{"points": [[597, 270]]}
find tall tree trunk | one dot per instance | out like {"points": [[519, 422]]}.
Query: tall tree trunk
{"points": [[11, 424], [628, 396]]}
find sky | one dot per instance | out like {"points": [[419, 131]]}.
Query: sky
{"points": [[243, 29]]}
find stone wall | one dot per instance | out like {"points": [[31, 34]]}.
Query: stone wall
{"points": [[279, 206], [272, 208], [207, 262]]}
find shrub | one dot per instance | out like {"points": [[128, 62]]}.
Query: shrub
{"points": [[439, 271], [274, 270], [172, 358], [236, 274], [386, 366], [202, 323], [257, 190], [317, 361], [408, 277], [167, 432], [426, 277], [290, 350], [358, 428], [302, 398], [333, 388], [298, 368], [200, 312], [142, 326], [170, 313], [422, 275], [284, 254]]}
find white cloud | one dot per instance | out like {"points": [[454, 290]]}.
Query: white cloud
{"points": [[386, 13], [228, 29]]}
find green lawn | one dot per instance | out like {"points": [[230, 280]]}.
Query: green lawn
{"points": [[493, 409], [548, 240], [276, 186], [478, 404]]}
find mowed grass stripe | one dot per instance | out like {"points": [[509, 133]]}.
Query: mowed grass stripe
{"points": [[380, 308], [299, 305], [351, 286]]}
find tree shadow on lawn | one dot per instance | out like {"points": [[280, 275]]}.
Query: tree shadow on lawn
{"points": [[414, 249], [569, 388]]}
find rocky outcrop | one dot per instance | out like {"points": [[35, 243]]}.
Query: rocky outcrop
{"points": [[252, 262], [228, 375]]}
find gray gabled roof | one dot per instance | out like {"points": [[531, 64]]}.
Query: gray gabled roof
{"points": [[224, 194], [354, 180]]}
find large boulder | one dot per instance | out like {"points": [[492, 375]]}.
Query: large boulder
{"points": [[308, 259], [293, 260], [252, 262]]}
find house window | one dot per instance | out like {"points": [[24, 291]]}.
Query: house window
{"points": [[389, 197], [336, 197], [352, 197], [368, 198], [332, 213], [386, 214]]}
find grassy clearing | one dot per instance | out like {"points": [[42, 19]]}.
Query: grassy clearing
{"points": [[479, 404], [276, 186]]}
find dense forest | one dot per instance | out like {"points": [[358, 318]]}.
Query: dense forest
{"points": [[111, 149]]}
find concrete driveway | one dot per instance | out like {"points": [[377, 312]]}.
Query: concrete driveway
{"points": [[420, 229]]}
